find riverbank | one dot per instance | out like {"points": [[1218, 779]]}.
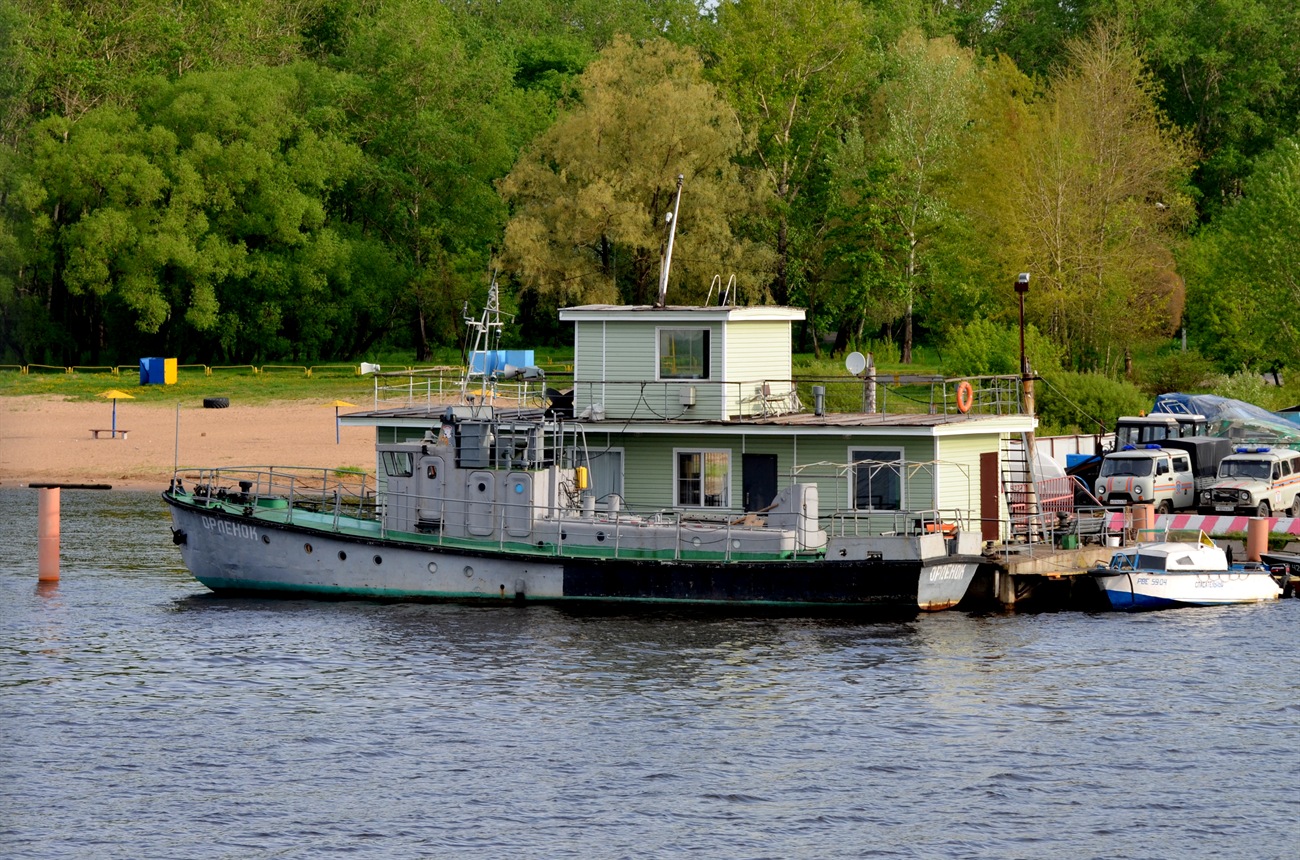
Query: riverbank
{"points": [[48, 439]]}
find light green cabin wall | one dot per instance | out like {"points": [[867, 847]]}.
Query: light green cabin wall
{"points": [[648, 465], [615, 365], [959, 488], [757, 351]]}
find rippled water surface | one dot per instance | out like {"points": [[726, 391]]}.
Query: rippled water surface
{"points": [[142, 717]]}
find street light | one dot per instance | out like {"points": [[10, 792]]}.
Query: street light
{"points": [[1022, 287]]}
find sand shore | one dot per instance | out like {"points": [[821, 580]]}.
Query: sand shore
{"points": [[47, 439]]}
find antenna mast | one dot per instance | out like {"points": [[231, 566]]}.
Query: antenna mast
{"points": [[666, 263], [487, 336]]}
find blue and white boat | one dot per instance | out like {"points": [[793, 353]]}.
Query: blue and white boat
{"points": [[1170, 573]]}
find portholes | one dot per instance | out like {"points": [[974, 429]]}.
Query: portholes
{"points": [[378, 560], [695, 541], [266, 539], [343, 556], [433, 567], [469, 571], [482, 487], [600, 535], [306, 548], [564, 535], [735, 544]]}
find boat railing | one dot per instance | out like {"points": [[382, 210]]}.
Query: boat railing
{"points": [[707, 399], [339, 492], [869, 522]]}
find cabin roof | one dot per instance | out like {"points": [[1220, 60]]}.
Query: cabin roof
{"points": [[680, 313]]}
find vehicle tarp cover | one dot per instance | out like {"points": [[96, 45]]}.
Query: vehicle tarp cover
{"points": [[1231, 419]]}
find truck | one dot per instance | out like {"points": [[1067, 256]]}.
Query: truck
{"points": [[1255, 480], [1171, 474], [1156, 427]]}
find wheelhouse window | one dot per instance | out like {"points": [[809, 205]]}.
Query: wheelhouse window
{"points": [[877, 478], [703, 479], [398, 464], [683, 353]]}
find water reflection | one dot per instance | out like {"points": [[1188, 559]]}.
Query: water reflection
{"points": [[144, 716]]}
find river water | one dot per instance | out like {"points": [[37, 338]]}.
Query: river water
{"points": [[140, 717]]}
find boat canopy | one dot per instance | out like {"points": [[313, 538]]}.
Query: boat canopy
{"points": [[1171, 557]]}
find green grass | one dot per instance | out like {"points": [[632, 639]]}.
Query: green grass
{"points": [[241, 386]]}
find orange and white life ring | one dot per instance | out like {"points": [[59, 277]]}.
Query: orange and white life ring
{"points": [[965, 396]]}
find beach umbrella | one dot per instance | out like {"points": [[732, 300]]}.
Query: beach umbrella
{"points": [[336, 404], [115, 396]]}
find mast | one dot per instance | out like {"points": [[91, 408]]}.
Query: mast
{"points": [[487, 337], [667, 261]]}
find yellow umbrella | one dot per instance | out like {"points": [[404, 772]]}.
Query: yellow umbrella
{"points": [[115, 395], [336, 404]]}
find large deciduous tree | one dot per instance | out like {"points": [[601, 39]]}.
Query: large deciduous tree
{"points": [[1243, 273], [1099, 186], [794, 71], [589, 195], [201, 224], [927, 112]]}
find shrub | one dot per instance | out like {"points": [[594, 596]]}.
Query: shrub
{"points": [[984, 348], [1177, 371], [1069, 402]]}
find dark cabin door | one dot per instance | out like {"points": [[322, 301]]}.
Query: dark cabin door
{"points": [[758, 480]]}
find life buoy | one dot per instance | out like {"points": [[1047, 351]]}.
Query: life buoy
{"points": [[965, 396]]}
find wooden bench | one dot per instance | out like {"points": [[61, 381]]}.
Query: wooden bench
{"points": [[112, 433]]}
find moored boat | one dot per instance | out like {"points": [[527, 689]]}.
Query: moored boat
{"points": [[1167, 574]]}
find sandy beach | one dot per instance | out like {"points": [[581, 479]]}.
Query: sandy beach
{"points": [[47, 439]]}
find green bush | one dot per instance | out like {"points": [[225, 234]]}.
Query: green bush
{"points": [[1069, 402], [1177, 371], [984, 348]]}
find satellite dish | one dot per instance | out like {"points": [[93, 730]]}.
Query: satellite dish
{"points": [[855, 363]]}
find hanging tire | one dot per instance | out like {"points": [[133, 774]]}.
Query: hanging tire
{"points": [[216, 402]]}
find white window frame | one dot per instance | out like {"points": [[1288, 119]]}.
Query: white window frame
{"points": [[708, 350], [853, 475], [726, 491]]}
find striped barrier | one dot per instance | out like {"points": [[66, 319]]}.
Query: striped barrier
{"points": [[1211, 525]]}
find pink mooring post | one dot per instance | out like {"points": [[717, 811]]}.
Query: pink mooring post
{"points": [[48, 536]]}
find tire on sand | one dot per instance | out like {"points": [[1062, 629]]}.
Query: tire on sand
{"points": [[216, 402]]}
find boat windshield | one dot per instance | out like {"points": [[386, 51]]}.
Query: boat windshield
{"points": [[1230, 468], [1129, 467], [1137, 561]]}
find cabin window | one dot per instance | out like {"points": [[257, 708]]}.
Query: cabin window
{"points": [[398, 464], [703, 479], [877, 479], [683, 353], [1182, 464]]}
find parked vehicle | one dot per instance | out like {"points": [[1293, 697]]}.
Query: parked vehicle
{"points": [[1167, 475], [1255, 480], [1138, 430]]}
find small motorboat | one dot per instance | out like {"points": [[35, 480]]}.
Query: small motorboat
{"points": [[1170, 573]]}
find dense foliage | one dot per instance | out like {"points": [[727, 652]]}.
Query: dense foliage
{"points": [[260, 180]]}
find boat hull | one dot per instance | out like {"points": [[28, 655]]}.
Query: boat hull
{"points": [[229, 553], [1140, 590]]}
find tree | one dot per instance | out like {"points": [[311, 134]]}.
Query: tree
{"points": [[439, 121], [590, 193], [926, 111], [201, 224], [1098, 190], [1243, 273], [794, 72]]}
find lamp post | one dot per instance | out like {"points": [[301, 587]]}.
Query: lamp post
{"points": [[1026, 380]]}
